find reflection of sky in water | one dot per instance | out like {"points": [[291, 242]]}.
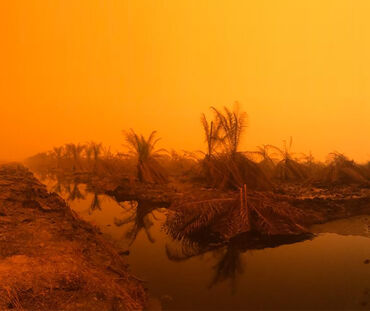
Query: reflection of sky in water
{"points": [[325, 273]]}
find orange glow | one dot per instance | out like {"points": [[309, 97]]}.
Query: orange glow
{"points": [[75, 71]]}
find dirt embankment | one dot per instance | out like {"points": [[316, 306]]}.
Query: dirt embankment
{"points": [[52, 260]]}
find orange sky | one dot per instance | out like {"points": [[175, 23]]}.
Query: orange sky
{"points": [[85, 70]]}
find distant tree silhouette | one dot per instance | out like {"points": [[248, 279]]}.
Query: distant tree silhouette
{"points": [[148, 168]]}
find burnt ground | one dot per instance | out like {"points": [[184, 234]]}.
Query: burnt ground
{"points": [[329, 203], [314, 204], [52, 260]]}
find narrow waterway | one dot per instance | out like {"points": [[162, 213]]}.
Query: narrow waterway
{"points": [[329, 272]]}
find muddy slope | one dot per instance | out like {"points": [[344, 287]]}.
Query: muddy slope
{"points": [[50, 259]]}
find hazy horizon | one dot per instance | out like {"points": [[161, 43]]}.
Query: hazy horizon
{"points": [[76, 71]]}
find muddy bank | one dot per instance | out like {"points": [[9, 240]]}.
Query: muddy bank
{"points": [[289, 210], [50, 259]]}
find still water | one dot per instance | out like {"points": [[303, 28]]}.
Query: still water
{"points": [[327, 272]]}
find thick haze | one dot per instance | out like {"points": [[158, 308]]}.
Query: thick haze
{"points": [[75, 71]]}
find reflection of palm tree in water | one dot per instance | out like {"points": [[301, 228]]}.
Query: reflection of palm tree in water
{"points": [[229, 255], [61, 185], [138, 217], [229, 265], [43, 175], [229, 262], [58, 186], [95, 204], [75, 193]]}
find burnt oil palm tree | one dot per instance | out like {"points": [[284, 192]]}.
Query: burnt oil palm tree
{"points": [[95, 150], [341, 170], [312, 167], [88, 155], [232, 125], [148, 168], [74, 152], [289, 169], [221, 216], [58, 153], [268, 160], [228, 167], [211, 135]]}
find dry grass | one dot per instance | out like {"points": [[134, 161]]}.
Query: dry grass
{"points": [[56, 283]]}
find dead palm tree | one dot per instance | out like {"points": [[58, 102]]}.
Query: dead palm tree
{"points": [[228, 216], [211, 134], [341, 170], [95, 150], [148, 168], [58, 153], [264, 152], [289, 169], [286, 152], [88, 154], [232, 125], [229, 168], [74, 152], [313, 168], [268, 161]]}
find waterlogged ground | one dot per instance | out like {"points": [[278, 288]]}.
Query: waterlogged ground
{"points": [[332, 271]]}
